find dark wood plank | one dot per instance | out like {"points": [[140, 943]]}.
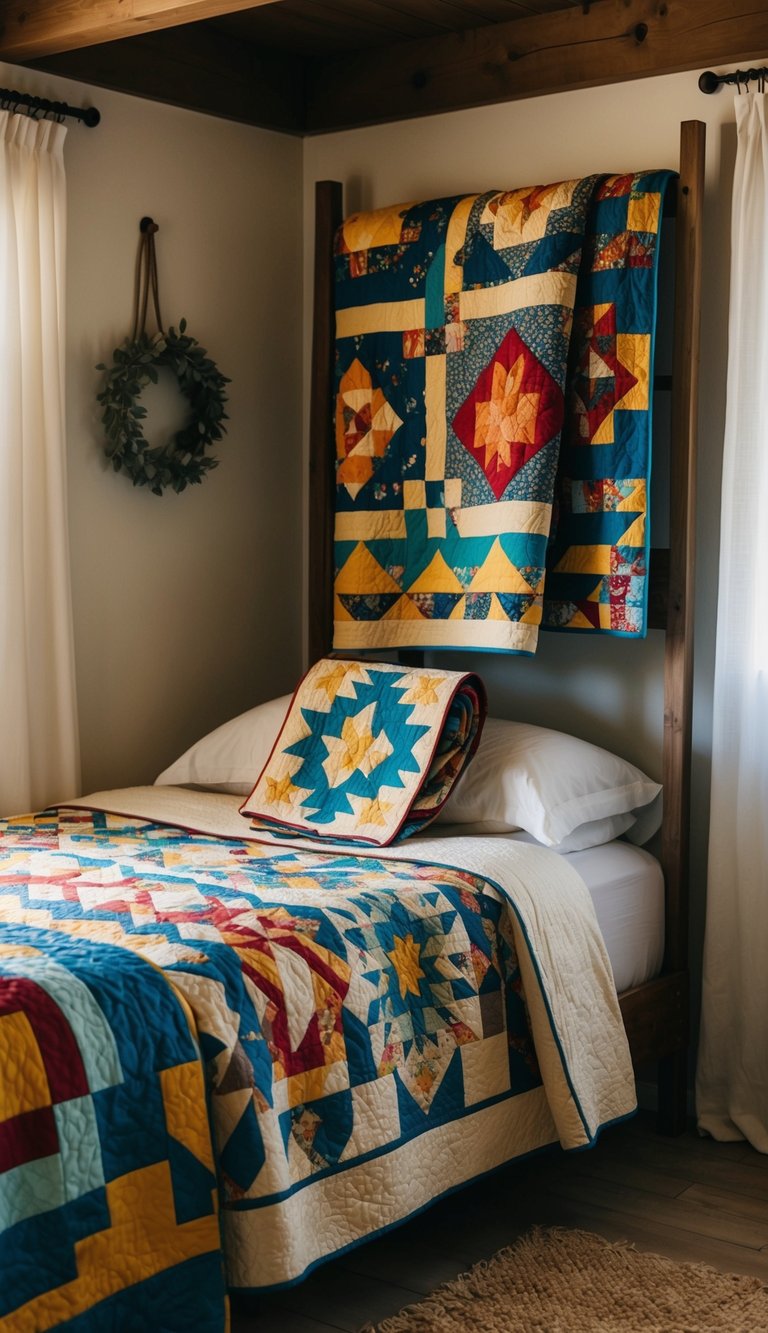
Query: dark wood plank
{"points": [[290, 24], [613, 40], [198, 67], [658, 587], [345, 1298], [328, 216], [678, 644], [698, 1214], [750, 1207], [268, 1316], [656, 1017], [678, 653]]}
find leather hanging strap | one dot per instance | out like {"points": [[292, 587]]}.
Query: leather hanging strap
{"points": [[146, 280]]}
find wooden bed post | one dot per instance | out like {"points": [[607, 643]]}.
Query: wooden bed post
{"points": [[328, 217], [678, 650]]}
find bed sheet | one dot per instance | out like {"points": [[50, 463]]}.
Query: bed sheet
{"points": [[626, 885]]}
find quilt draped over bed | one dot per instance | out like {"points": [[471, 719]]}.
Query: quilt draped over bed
{"points": [[459, 370], [377, 1028]]}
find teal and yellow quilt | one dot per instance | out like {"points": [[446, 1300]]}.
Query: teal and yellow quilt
{"points": [[459, 372], [597, 563], [369, 752], [373, 1030]]}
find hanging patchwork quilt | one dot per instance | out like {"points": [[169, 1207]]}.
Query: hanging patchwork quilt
{"points": [[597, 564], [369, 752], [454, 335]]}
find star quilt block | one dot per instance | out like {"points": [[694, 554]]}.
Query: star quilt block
{"points": [[368, 752]]}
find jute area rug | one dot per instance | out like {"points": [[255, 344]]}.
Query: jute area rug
{"points": [[560, 1281]]}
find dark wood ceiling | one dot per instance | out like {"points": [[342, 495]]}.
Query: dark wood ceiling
{"points": [[311, 66], [312, 27]]}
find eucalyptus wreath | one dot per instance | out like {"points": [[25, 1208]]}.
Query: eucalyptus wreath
{"points": [[183, 461]]}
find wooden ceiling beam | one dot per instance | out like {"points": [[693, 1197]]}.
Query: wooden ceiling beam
{"points": [[31, 29], [198, 67], [613, 41]]}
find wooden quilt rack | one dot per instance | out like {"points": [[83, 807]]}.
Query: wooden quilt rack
{"points": [[656, 1014]]}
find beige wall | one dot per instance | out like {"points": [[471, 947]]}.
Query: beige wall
{"points": [[186, 607], [609, 691]]}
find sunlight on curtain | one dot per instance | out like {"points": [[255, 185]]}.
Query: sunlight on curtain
{"points": [[39, 760], [732, 1077]]}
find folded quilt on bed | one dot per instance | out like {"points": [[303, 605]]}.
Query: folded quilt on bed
{"points": [[377, 1028], [459, 366], [368, 752], [108, 1199]]}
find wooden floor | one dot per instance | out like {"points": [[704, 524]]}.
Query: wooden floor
{"points": [[689, 1198]]}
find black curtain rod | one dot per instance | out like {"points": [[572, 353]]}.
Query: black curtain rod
{"points": [[88, 115], [709, 82]]}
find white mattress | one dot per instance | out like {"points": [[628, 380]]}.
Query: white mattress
{"points": [[627, 889]]}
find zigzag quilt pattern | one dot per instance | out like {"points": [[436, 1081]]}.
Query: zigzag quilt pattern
{"points": [[339, 1005], [108, 1199], [369, 752], [454, 324]]}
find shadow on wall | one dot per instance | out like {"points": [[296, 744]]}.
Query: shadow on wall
{"points": [[609, 691]]}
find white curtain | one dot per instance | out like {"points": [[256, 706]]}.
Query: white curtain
{"points": [[39, 761], [732, 1076]]}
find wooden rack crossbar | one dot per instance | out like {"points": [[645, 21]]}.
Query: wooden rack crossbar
{"points": [[656, 1013]]}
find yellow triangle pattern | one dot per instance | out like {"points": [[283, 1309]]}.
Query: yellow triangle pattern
{"points": [[404, 609], [496, 610], [585, 560], [498, 574], [579, 621], [437, 577], [636, 501], [363, 574], [533, 615], [635, 534]]}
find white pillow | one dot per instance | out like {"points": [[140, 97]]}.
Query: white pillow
{"points": [[230, 758], [565, 792]]}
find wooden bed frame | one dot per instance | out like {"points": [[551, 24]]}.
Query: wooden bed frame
{"points": [[656, 1013]]}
